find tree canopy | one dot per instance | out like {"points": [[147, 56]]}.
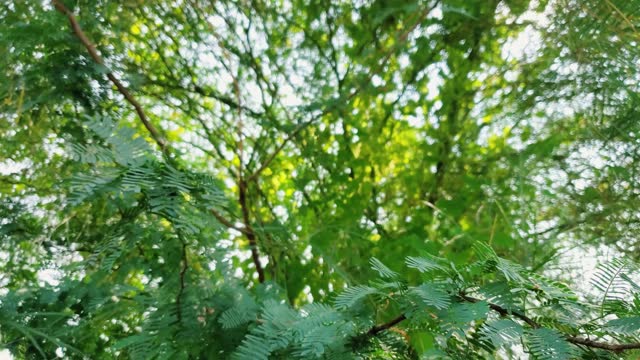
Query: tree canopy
{"points": [[317, 179]]}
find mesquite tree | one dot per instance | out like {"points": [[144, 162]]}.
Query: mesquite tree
{"points": [[194, 179]]}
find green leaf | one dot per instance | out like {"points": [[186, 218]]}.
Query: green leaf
{"points": [[352, 295], [433, 295], [549, 344], [502, 332], [627, 326], [426, 263], [384, 271], [614, 289], [252, 348]]}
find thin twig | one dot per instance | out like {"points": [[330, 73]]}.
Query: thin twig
{"points": [[183, 271], [226, 222], [624, 17]]}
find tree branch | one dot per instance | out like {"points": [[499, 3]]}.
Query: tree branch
{"points": [[506, 312], [221, 219], [386, 326], [503, 311], [251, 235], [270, 158], [572, 339], [602, 345], [77, 30]]}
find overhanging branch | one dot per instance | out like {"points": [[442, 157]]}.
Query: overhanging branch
{"points": [[506, 312]]}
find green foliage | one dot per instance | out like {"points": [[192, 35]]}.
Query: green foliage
{"points": [[433, 295], [627, 326], [499, 333], [614, 289], [352, 295], [319, 330], [319, 179], [548, 344]]}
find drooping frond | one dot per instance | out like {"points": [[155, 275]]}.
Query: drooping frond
{"points": [[499, 292], [382, 269], [548, 344], [352, 295], [626, 326], [85, 186], [316, 314], [458, 318], [510, 270], [252, 348], [614, 289], [237, 316], [433, 295], [551, 288], [427, 263], [502, 332]]}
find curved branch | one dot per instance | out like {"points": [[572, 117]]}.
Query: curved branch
{"points": [[93, 52], [386, 326]]}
